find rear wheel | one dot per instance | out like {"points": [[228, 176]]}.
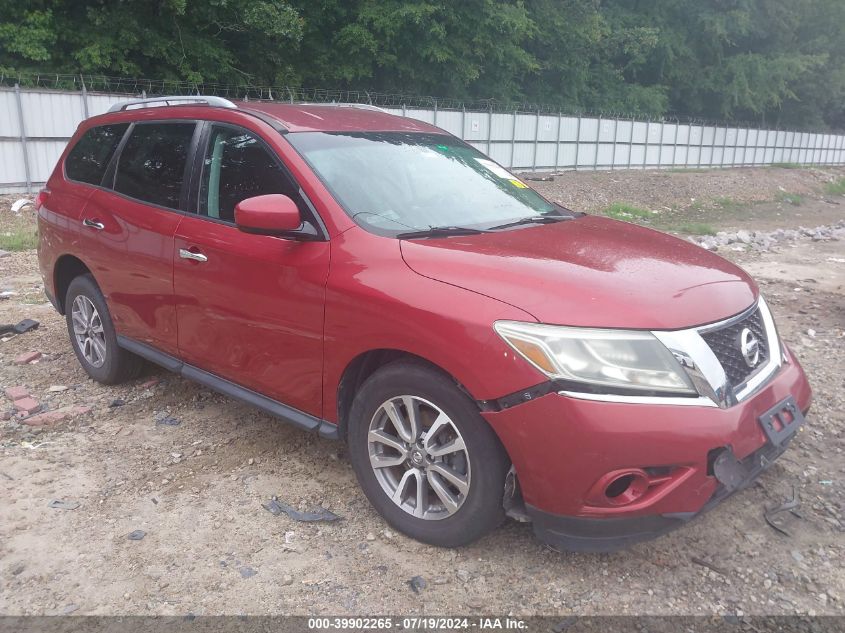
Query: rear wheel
{"points": [[93, 337], [425, 458]]}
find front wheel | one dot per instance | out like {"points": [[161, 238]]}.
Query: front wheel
{"points": [[424, 456]]}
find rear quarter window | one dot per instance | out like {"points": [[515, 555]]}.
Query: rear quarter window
{"points": [[151, 166], [89, 158]]}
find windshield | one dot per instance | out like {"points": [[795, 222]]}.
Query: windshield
{"points": [[394, 182]]}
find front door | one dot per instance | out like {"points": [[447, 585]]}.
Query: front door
{"points": [[249, 307]]}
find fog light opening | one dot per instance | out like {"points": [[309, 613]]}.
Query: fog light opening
{"points": [[618, 486], [626, 488]]}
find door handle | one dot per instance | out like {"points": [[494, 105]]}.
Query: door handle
{"points": [[197, 257], [93, 224]]}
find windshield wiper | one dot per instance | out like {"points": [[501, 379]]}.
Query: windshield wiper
{"points": [[439, 231], [534, 219]]}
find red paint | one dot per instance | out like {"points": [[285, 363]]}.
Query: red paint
{"points": [[286, 318]]}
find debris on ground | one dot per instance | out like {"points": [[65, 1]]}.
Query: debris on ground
{"points": [[774, 516], [276, 508], [59, 504], [19, 328], [165, 419], [27, 358], [247, 572], [417, 584]]}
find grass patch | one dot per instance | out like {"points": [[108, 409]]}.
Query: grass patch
{"points": [[787, 165], [696, 228], [625, 211], [21, 238], [836, 188], [794, 199], [728, 204]]}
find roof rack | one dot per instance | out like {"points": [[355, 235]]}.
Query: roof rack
{"points": [[155, 102]]}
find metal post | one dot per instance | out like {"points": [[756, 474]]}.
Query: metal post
{"points": [[404, 109], [23, 139], [660, 149], [631, 143], [536, 140], [700, 145], [615, 128], [675, 142], [513, 140], [577, 141], [490, 129], [557, 145], [645, 145], [792, 148], [724, 145], [463, 122], [435, 113], [84, 97], [598, 138]]}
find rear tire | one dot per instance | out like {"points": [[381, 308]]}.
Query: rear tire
{"points": [[93, 337], [440, 479]]}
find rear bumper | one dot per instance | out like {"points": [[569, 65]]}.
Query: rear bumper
{"points": [[564, 448]]}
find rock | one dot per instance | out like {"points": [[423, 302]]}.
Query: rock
{"points": [[136, 535], [149, 384], [117, 402], [463, 575], [417, 584], [16, 393], [27, 357], [811, 333], [743, 236], [247, 572], [287, 579], [57, 388], [17, 570], [4, 254], [797, 556], [27, 405], [441, 580], [371, 537]]}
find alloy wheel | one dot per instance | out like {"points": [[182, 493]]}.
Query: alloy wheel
{"points": [[88, 331], [419, 457]]}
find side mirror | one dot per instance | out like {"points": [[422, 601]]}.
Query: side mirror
{"points": [[273, 214]]}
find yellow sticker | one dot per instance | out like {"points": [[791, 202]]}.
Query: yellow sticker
{"points": [[518, 183]]}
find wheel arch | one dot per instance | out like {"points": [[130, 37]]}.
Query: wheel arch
{"points": [[66, 269], [365, 365]]}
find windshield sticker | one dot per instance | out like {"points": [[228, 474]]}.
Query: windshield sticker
{"points": [[518, 183], [497, 170]]}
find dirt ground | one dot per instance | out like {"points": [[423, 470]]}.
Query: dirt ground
{"points": [[196, 489]]}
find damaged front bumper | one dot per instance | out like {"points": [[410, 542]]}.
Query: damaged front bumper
{"points": [[583, 534]]}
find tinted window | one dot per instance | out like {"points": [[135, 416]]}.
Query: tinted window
{"points": [[89, 158], [238, 166], [151, 166]]}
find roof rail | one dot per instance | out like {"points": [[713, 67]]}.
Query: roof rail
{"points": [[154, 102], [362, 106]]}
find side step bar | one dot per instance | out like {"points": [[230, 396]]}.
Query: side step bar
{"points": [[272, 407]]}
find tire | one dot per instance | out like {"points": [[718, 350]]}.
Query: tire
{"points": [[481, 467], [100, 356]]}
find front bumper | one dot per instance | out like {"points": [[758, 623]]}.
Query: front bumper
{"points": [[562, 446]]}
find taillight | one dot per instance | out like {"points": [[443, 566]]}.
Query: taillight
{"points": [[41, 198]]}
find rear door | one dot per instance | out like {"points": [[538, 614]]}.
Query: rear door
{"points": [[131, 223], [250, 307]]}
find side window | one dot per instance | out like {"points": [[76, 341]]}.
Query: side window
{"points": [[151, 166], [238, 166], [89, 158]]}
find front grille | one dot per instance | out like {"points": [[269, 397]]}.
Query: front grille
{"points": [[725, 343]]}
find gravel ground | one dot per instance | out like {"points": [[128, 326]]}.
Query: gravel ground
{"points": [[196, 489]]}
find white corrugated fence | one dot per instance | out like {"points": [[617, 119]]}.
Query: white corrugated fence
{"points": [[35, 125]]}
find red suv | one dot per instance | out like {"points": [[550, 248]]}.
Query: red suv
{"points": [[483, 351]]}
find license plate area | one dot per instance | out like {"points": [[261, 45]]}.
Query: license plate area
{"points": [[782, 421]]}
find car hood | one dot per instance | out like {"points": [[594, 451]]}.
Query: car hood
{"points": [[590, 271]]}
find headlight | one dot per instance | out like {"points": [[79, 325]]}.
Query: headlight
{"points": [[621, 359]]}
